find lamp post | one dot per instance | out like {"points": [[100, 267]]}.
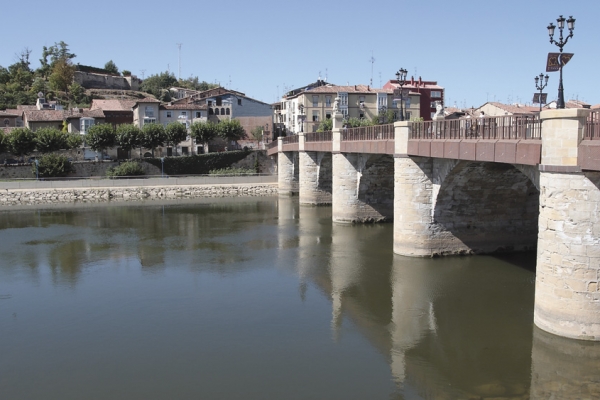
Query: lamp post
{"points": [[560, 21], [401, 76], [540, 83]]}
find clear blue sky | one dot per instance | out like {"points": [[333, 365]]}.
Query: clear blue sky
{"points": [[477, 50]]}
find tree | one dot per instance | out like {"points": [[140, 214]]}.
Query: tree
{"points": [[3, 143], [129, 137], [78, 93], [231, 130], [126, 72], [195, 84], [325, 125], [58, 51], [154, 84], [48, 140], [175, 132], [257, 133], [20, 141], [153, 135], [100, 137], [204, 132], [62, 75], [74, 140], [110, 66]]}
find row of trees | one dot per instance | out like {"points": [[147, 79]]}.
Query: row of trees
{"points": [[128, 136], [22, 141]]}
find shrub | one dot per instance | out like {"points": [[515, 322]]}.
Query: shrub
{"points": [[198, 164], [232, 171], [129, 168], [52, 166]]}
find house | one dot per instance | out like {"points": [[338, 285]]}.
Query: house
{"points": [[430, 93], [10, 118], [495, 109], [116, 111], [303, 111], [145, 111]]}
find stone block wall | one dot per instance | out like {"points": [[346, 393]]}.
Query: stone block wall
{"points": [[315, 178], [362, 188], [288, 173]]}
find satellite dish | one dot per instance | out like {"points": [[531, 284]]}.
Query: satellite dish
{"points": [[40, 95]]}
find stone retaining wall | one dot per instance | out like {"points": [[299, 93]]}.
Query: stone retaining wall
{"points": [[11, 197]]}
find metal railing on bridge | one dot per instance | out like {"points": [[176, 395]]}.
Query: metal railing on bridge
{"points": [[325, 136], [271, 145], [290, 139], [592, 126], [503, 127], [375, 132]]}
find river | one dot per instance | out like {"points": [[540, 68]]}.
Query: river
{"points": [[259, 298]]}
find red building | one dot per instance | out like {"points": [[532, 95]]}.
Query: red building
{"points": [[430, 92]]}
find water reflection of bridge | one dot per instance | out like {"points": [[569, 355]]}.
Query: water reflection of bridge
{"points": [[408, 309]]}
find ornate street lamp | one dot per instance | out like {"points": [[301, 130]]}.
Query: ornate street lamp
{"points": [[401, 76], [561, 42], [540, 83]]}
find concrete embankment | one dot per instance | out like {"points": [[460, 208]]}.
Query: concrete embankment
{"points": [[103, 190]]}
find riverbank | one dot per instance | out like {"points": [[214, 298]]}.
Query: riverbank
{"points": [[16, 193]]}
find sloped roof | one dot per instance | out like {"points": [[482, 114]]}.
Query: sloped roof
{"points": [[514, 108], [183, 107], [347, 89], [112, 105], [61, 115]]}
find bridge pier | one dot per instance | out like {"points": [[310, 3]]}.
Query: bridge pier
{"points": [[567, 296], [362, 188], [315, 178], [287, 172]]}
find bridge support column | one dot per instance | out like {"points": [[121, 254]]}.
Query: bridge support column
{"points": [[567, 296], [287, 173], [315, 178]]}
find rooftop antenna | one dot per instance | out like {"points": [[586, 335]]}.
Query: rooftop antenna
{"points": [[179, 46], [319, 75], [379, 78], [143, 71], [230, 81], [325, 74], [372, 61]]}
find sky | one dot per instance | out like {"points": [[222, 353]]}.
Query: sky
{"points": [[477, 50]]}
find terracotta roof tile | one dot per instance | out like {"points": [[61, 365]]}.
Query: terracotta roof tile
{"points": [[113, 105], [183, 107]]}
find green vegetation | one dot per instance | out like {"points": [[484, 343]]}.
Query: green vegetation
{"points": [[111, 67], [100, 137], [20, 141], [325, 125], [175, 132], [200, 164], [257, 133], [129, 168], [204, 132], [53, 166], [153, 135], [232, 171], [128, 137]]}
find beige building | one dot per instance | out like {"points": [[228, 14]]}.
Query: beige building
{"points": [[303, 111]]}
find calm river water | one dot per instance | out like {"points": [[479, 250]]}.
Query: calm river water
{"points": [[263, 299]]}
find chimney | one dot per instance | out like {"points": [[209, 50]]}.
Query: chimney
{"points": [[354, 87], [420, 81], [368, 88], [412, 80]]}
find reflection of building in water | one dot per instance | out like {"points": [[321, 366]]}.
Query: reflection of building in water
{"points": [[564, 368]]}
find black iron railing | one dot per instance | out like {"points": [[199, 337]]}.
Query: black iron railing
{"points": [[504, 127], [375, 132]]}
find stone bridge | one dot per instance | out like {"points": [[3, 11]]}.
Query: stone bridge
{"points": [[471, 186]]}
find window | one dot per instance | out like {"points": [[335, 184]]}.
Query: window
{"points": [[183, 114], [216, 111], [315, 101], [315, 116], [408, 115], [328, 116], [394, 104], [239, 102], [407, 102], [222, 111], [227, 111], [328, 101], [85, 124], [361, 115], [149, 120], [149, 111], [198, 114], [184, 150], [219, 101], [209, 103], [343, 99], [6, 122], [210, 111], [169, 114], [436, 94]]}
